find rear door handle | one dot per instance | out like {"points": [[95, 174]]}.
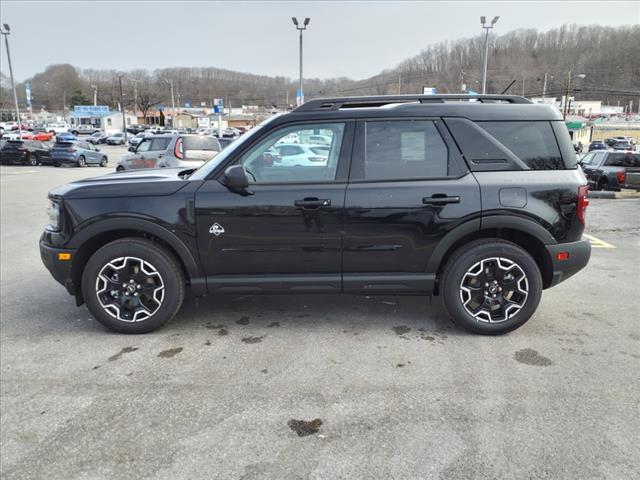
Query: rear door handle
{"points": [[312, 202], [440, 199]]}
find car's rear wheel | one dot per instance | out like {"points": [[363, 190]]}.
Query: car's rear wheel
{"points": [[33, 160], [103, 162], [82, 162], [119, 168], [133, 285], [491, 286]]}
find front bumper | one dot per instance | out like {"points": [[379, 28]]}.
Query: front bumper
{"points": [[578, 256], [59, 269]]}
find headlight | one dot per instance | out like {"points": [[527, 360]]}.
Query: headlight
{"points": [[53, 211]]}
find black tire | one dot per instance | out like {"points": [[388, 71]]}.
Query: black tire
{"points": [[103, 162], [119, 168], [33, 160], [75, 132], [465, 264], [158, 259], [82, 162], [56, 164]]}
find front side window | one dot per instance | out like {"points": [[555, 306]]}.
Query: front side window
{"points": [[405, 150], [159, 143], [587, 159], [144, 146], [288, 156]]}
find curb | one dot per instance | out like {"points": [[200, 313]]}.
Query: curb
{"points": [[613, 195]]}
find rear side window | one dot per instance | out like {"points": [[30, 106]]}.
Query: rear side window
{"points": [[208, 144], [160, 143], [405, 150], [623, 160], [532, 142]]}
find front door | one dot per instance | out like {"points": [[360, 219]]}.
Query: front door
{"points": [[285, 234], [409, 186]]}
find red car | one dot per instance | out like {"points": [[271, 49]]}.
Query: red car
{"points": [[40, 136]]}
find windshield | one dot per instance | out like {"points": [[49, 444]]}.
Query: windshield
{"points": [[203, 172]]}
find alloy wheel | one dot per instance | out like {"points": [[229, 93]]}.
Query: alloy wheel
{"points": [[130, 289], [494, 290]]}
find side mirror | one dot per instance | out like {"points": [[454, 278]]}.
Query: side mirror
{"points": [[131, 149], [235, 178], [97, 149]]}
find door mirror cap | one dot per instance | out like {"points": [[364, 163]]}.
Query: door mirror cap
{"points": [[131, 149], [235, 178]]}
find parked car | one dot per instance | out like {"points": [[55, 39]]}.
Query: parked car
{"points": [[117, 138], [612, 170], [97, 138], [57, 128], [626, 139], [84, 129], [610, 142], [25, 152], [166, 151], [225, 142], [66, 137], [298, 154], [135, 129], [39, 135], [597, 145], [624, 146], [78, 153], [135, 140], [481, 204]]}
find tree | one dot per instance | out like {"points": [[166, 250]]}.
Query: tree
{"points": [[79, 98], [146, 100]]}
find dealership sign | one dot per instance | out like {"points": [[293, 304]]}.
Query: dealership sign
{"points": [[91, 109]]}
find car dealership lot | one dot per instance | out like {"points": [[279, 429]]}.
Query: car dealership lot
{"points": [[400, 392]]}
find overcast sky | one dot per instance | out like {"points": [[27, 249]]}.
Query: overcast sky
{"points": [[352, 39]]}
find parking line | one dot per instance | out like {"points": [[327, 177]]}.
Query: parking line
{"points": [[597, 243]]}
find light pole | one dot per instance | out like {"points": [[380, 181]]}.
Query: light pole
{"points": [[173, 103], [135, 97], [6, 32], [566, 92], [483, 21], [544, 84], [95, 95], [301, 29], [124, 115]]}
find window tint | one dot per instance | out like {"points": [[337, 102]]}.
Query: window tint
{"points": [[273, 160], [403, 150], [587, 159], [623, 160], [160, 143], [84, 145], [533, 142], [209, 144]]}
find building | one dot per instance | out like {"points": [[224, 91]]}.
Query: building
{"points": [[100, 117]]}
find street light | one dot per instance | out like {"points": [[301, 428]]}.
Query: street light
{"points": [[483, 21], [566, 92], [300, 29], [6, 32]]}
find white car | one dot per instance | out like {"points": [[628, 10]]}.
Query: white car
{"points": [[56, 128], [295, 154], [319, 139], [291, 138]]}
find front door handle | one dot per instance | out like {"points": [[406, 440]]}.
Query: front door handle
{"points": [[313, 202], [440, 199]]}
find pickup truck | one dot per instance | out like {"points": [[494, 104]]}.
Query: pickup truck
{"points": [[607, 170]]}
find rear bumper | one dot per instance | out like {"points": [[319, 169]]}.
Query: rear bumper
{"points": [[59, 269], [578, 256]]}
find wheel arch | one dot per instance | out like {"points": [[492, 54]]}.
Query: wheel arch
{"points": [[521, 232], [89, 240]]}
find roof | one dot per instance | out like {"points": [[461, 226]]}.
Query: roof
{"points": [[473, 107]]}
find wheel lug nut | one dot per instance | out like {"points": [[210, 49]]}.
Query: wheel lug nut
{"points": [[486, 284], [135, 294], [138, 286], [499, 289], [494, 295], [486, 293]]}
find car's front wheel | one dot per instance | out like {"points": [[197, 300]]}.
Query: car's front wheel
{"points": [[33, 160], [491, 286], [133, 285], [82, 162], [103, 162]]}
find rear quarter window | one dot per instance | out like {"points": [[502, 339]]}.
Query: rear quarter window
{"points": [[623, 160], [201, 143], [532, 142]]}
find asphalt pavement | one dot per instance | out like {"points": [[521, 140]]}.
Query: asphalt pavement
{"points": [[319, 386]]}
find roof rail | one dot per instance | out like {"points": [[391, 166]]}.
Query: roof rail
{"points": [[379, 101]]}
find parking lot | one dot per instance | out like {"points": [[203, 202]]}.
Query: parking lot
{"points": [[398, 391]]}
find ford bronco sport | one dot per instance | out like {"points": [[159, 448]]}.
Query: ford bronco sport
{"points": [[476, 199]]}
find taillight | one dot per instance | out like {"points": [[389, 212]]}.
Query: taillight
{"points": [[317, 159], [583, 203], [71, 150], [178, 152], [621, 176]]}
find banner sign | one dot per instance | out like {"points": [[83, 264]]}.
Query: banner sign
{"points": [[91, 109]]}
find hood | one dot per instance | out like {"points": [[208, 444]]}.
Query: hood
{"points": [[136, 183]]}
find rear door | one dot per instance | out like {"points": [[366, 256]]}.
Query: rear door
{"points": [[408, 187]]}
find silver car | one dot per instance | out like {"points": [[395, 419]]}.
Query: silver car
{"points": [[178, 151]]}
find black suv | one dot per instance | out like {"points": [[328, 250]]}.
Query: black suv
{"points": [[476, 199]]}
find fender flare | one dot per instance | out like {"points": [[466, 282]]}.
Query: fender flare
{"points": [[185, 255], [477, 225]]}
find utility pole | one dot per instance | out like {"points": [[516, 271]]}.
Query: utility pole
{"points": [[301, 29], [566, 92], [135, 96], [173, 105], [399, 84], [483, 21], [124, 117], [6, 32], [544, 84]]}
